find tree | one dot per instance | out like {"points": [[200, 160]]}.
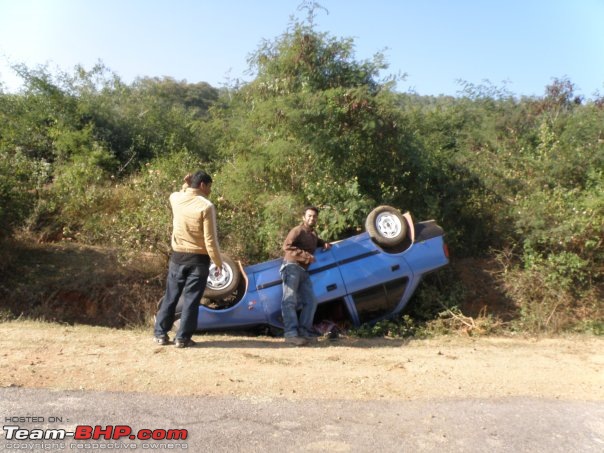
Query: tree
{"points": [[314, 126]]}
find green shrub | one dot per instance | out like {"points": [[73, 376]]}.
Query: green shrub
{"points": [[21, 180], [404, 327], [135, 214]]}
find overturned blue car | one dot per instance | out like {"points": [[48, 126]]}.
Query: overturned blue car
{"points": [[361, 279]]}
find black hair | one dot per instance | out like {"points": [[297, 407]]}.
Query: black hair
{"points": [[200, 177], [311, 208]]}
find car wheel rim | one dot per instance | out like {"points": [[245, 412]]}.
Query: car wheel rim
{"points": [[221, 281], [388, 225]]}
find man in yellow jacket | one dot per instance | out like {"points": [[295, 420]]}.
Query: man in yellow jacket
{"points": [[194, 243]]}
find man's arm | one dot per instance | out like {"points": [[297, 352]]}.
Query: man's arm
{"points": [[323, 244], [211, 235]]}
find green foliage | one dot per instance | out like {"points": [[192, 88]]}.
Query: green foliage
{"points": [[346, 210], [304, 60], [20, 181], [136, 215], [590, 326], [59, 115], [79, 183], [562, 230], [545, 305], [315, 127], [438, 293], [560, 281], [278, 215], [405, 327]]}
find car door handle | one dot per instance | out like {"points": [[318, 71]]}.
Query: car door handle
{"points": [[395, 268], [332, 287]]}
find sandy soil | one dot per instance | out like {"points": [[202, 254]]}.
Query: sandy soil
{"points": [[64, 357]]}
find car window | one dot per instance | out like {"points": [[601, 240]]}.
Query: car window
{"points": [[380, 300]]}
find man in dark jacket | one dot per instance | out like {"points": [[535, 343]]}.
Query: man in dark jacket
{"points": [[299, 247]]}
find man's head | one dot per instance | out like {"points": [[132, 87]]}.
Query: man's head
{"points": [[202, 181], [311, 214]]}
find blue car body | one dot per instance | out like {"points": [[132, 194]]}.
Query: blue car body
{"points": [[356, 281]]}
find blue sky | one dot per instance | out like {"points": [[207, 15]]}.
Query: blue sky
{"points": [[519, 44]]}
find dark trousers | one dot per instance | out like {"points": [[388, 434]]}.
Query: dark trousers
{"points": [[190, 281]]}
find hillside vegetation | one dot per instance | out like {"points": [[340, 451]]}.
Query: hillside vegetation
{"points": [[516, 182]]}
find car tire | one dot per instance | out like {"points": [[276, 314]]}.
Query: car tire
{"points": [[386, 226], [225, 284]]}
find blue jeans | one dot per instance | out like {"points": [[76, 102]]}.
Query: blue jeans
{"points": [[190, 279], [297, 294]]}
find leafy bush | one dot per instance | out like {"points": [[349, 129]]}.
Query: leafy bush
{"points": [[562, 230], [21, 179], [135, 214], [545, 306], [405, 327], [557, 280]]}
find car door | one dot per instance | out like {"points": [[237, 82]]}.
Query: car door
{"points": [[375, 281], [325, 276]]}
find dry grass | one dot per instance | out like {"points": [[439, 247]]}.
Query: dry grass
{"points": [[69, 282]]}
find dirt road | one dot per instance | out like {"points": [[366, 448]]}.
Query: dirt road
{"points": [[63, 357]]}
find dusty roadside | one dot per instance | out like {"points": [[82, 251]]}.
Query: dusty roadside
{"points": [[55, 356]]}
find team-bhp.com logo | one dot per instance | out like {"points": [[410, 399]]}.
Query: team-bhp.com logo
{"points": [[86, 432]]}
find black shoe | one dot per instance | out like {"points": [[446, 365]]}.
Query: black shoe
{"points": [[162, 340], [186, 343]]}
